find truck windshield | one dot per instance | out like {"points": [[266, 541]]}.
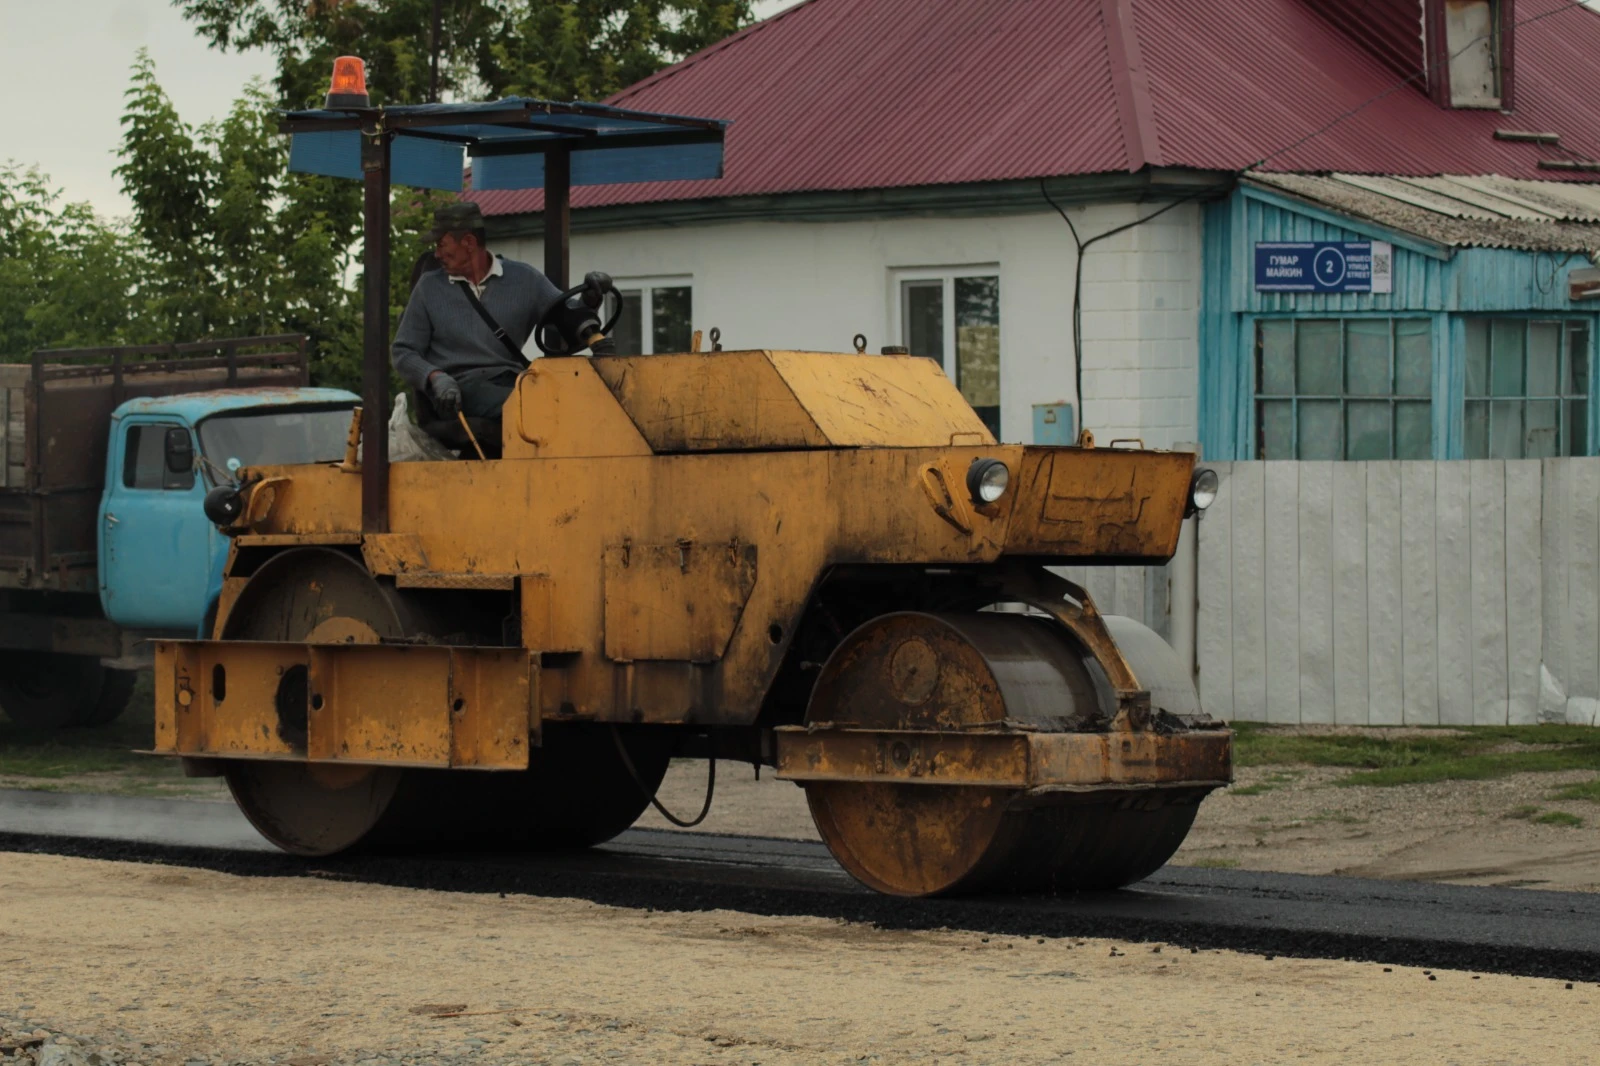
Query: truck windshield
{"points": [[278, 437]]}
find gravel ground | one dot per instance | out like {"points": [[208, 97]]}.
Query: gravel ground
{"points": [[169, 967]]}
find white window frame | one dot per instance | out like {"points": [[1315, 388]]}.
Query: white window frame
{"points": [[948, 275], [644, 286]]}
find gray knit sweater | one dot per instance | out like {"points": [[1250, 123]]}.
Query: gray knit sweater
{"points": [[441, 331]]}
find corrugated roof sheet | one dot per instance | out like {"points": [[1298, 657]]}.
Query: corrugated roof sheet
{"points": [[871, 94], [1457, 211], [1389, 29]]}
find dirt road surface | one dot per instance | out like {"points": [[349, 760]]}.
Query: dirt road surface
{"points": [[158, 965]]}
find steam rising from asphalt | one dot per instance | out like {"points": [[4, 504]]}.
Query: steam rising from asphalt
{"points": [[157, 821]]}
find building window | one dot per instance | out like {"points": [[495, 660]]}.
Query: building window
{"points": [[1351, 388], [657, 316], [144, 459], [954, 319], [1527, 394]]}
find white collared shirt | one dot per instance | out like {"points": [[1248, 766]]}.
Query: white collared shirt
{"points": [[477, 286]]}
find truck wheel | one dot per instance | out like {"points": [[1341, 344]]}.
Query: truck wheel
{"points": [[116, 688], [49, 690]]}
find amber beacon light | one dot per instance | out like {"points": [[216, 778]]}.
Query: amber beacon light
{"points": [[349, 85]]}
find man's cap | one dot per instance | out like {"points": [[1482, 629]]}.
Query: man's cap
{"points": [[456, 218]]}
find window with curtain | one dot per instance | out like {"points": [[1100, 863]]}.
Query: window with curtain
{"points": [[954, 319], [1527, 388], [1344, 388]]}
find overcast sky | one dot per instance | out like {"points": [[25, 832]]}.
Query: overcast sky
{"points": [[67, 65]]}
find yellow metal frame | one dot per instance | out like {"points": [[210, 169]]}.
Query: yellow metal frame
{"points": [[1033, 762], [365, 704]]}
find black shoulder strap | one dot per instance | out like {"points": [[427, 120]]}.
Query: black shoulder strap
{"points": [[494, 327]]}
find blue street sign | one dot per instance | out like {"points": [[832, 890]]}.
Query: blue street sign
{"points": [[1324, 266]]}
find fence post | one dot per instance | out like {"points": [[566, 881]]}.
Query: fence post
{"points": [[1183, 601]]}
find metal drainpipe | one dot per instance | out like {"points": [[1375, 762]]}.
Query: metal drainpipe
{"points": [[1183, 593]]}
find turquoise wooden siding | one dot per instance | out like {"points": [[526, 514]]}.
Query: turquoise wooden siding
{"points": [[1419, 266], [1430, 280]]}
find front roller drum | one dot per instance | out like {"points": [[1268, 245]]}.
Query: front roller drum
{"points": [[950, 754]]}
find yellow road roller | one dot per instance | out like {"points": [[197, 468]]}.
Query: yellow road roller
{"points": [[819, 562]]}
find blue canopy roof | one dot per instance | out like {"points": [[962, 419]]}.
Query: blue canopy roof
{"points": [[505, 140]]}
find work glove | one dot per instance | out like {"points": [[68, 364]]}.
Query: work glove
{"points": [[596, 284], [445, 392]]}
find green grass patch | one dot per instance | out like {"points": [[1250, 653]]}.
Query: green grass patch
{"points": [[1336, 817], [1274, 780], [1438, 755], [1522, 811], [47, 756], [1583, 790], [1572, 821]]}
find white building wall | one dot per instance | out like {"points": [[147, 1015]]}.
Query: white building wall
{"points": [[815, 285], [1141, 316]]}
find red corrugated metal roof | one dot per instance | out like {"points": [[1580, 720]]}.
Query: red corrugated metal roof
{"points": [[1389, 29], [871, 94]]}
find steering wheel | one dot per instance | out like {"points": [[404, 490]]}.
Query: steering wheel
{"points": [[582, 317]]}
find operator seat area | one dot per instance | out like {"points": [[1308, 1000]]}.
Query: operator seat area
{"points": [[449, 432]]}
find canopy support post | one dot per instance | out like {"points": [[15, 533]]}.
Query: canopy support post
{"points": [[557, 215], [375, 333]]}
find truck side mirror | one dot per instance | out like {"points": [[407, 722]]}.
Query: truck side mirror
{"points": [[180, 451]]}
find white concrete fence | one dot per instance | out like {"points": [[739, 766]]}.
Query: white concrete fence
{"points": [[1393, 593]]}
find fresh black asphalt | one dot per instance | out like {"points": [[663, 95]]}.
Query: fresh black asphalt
{"points": [[1501, 930]]}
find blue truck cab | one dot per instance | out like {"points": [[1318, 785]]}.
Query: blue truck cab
{"points": [[161, 559], [106, 455]]}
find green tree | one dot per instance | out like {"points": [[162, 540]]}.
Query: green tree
{"points": [[68, 278], [235, 244], [576, 49]]}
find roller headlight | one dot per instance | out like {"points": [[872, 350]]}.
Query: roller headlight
{"points": [[1202, 490], [987, 480]]}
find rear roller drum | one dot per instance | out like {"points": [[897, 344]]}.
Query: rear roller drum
{"points": [[575, 793], [974, 671], [312, 594]]}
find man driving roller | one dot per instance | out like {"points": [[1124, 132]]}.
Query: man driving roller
{"points": [[460, 339]]}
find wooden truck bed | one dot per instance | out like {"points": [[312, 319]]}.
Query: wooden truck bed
{"points": [[57, 410]]}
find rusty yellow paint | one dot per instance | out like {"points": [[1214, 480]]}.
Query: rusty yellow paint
{"points": [[434, 579], [291, 540], [562, 409], [761, 400], [260, 500], [190, 719], [675, 601], [1043, 762], [548, 622], [1106, 502], [393, 553], [710, 402], [803, 511], [680, 640], [886, 401], [358, 703]]}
